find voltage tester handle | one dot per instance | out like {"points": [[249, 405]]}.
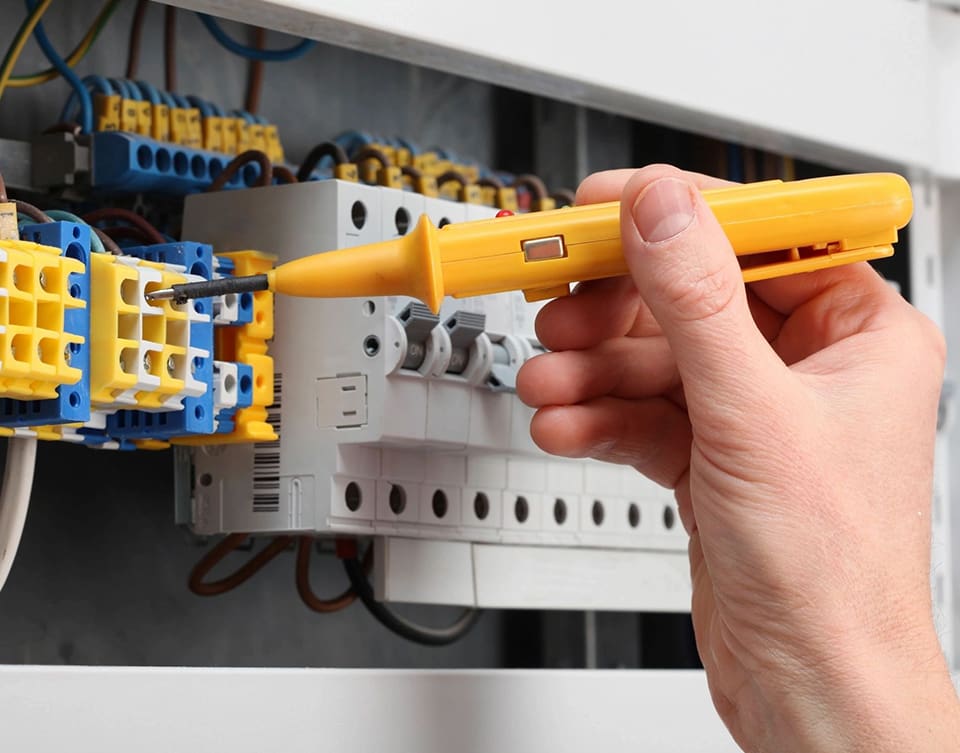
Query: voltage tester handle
{"points": [[776, 228]]}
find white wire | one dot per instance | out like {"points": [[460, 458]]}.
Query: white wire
{"points": [[15, 499]]}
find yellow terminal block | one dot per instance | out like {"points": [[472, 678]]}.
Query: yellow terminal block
{"points": [[248, 344], [213, 133], [140, 351], [257, 137], [106, 110], [390, 177], [34, 295], [129, 115], [544, 204], [346, 171], [403, 157], [160, 122], [775, 228], [194, 129], [274, 148], [241, 130], [144, 118], [179, 126], [228, 136]]}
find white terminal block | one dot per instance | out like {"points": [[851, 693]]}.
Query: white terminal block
{"points": [[414, 453]]}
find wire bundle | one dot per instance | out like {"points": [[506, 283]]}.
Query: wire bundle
{"points": [[357, 571]]}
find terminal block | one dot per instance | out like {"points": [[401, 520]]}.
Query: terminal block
{"points": [[196, 416], [142, 356], [247, 345], [45, 354]]}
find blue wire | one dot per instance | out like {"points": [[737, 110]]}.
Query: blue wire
{"points": [[149, 91], [96, 244], [182, 102], [252, 53], [86, 103], [168, 99], [245, 116], [126, 88], [203, 106]]}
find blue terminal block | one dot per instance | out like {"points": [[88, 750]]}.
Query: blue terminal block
{"points": [[72, 404], [225, 418], [129, 163], [197, 416]]}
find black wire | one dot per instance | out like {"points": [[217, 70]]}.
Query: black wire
{"points": [[427, 636]]}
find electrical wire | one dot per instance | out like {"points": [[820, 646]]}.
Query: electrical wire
{"points": [[3, 189], [325, 606], [533, 184], [86, 104], [321, 151], [109, 244], [238, 162], [564, 197], [15, 499], [251, 567], [251, 102], [170, 49], [117, 214], [19, 42], [251, 53], [119, 233], [283, 174], [31, 211], [76, 55], [427, 636], [136, 34]]}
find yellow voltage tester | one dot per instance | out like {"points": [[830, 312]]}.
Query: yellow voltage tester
{"points": [[776, 229]]}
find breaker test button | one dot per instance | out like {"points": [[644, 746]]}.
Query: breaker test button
{"points": [[540, 249]]}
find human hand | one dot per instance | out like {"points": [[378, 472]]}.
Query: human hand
{"points": [[796, 424]]}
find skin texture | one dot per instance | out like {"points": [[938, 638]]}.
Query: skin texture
{"points": [[796, 423]]}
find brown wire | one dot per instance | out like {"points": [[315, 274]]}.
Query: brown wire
{"points": [[32, 212], [3, 189], [452, 176], [533, 184], [125, 215], [410, 171], [136, 32], [108, 243], [126, 233], [251, 567], [255, 74], [564, 197], [490, 182], [170, 49], [326, 149], [371, 152], [244, 158], [62, 127], [284, 174], [325, 606]]}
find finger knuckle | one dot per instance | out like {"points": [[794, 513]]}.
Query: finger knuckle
{"points": [[701, 292]]}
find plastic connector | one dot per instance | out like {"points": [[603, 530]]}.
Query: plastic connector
{"points": [[129, 115], [248, 345], [141, 353], [179, 126], [197, 414], [144, 118], [160, 122], [213, 133], [106, 112], [62, 306], [346, 171], [271, 135], [129, 163]]}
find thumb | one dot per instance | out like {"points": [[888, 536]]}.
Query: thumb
{"points": [[687, 273]]}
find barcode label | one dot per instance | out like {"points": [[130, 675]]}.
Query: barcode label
{"points": [[266, 458]]}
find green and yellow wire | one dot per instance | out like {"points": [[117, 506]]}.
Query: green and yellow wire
{"points": [[79, 52], [20, 41]]}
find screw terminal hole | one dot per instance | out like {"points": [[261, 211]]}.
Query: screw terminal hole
{"points": [[633, 515], [371, 346], [481, 506], [205, 479], [352, 496], [521, 509], [229, 383], [358, 214], [439, 503], [597, 512], [669, 518], [402, 220], [398, 499], [369, 308], [560, 511]]}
